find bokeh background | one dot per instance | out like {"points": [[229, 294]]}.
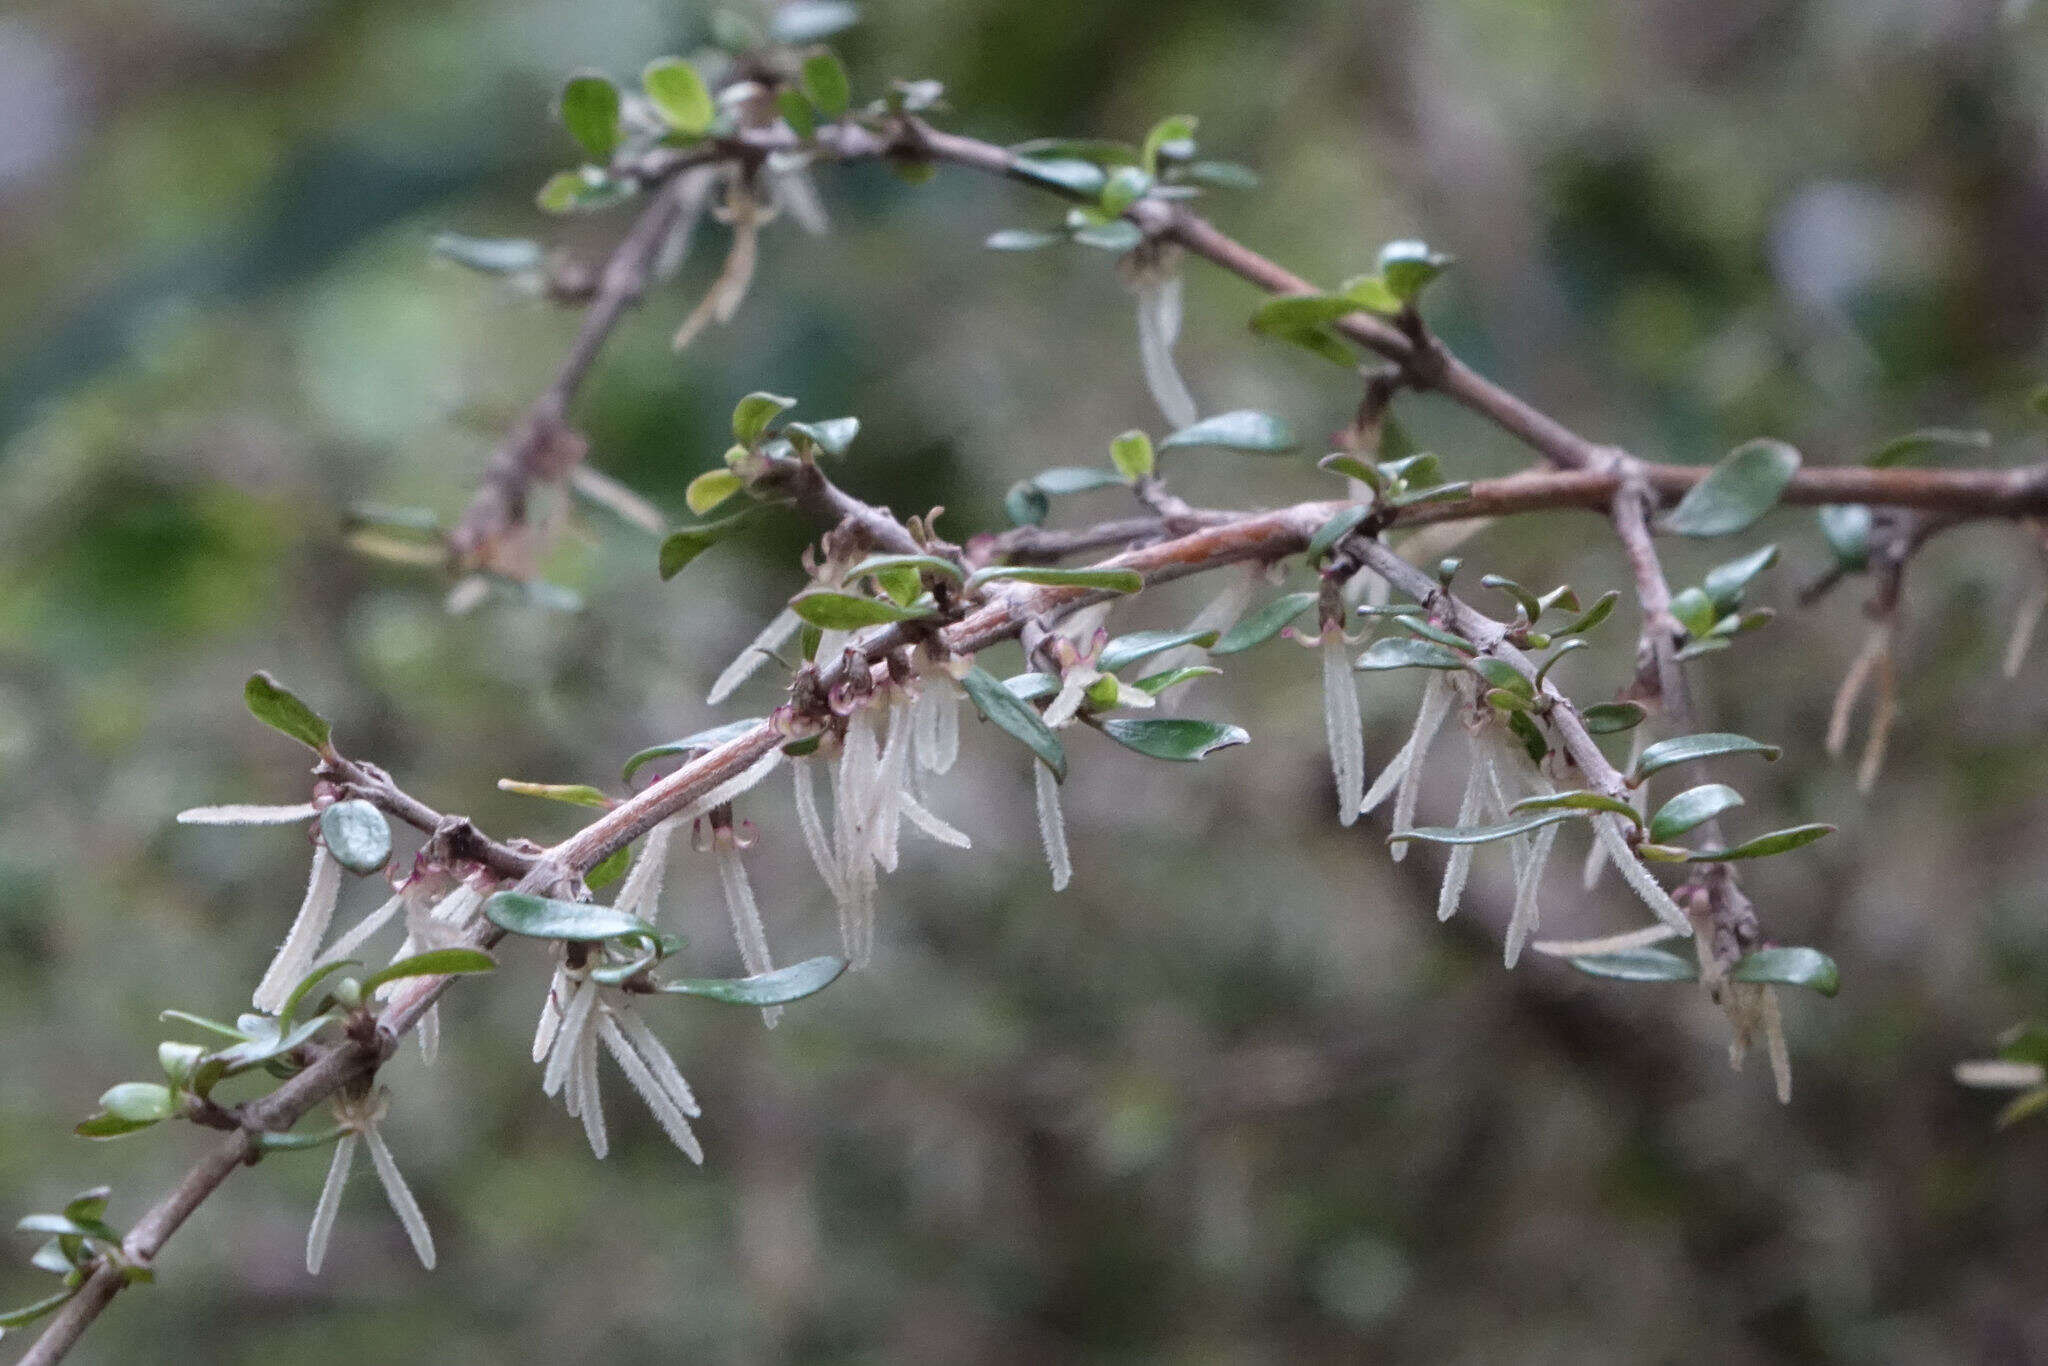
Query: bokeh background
{"points": [[1234, 1096]]}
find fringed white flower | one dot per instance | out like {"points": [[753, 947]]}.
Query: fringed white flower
{"points": [[431, 924], [1157, 286], [1529, 884], [1752, 1009], [578, 1015], [360, 1118], [744, 912], [778, 630], [1342, 726], [295, 957], [246, 815], [2024, 624], [1638, 797], [935, 721], [1218, 614], [1609, 830], [1458, 867], [1404, 771], [1052, 825]]}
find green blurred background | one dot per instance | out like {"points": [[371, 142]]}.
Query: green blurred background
{"points": [[1234, 1096]]}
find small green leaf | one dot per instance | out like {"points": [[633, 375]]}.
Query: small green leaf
{"points": [[833, 436], [1068, 175], [711, 488], [1172, 737], [1846, 528], [573, 794], [215, 1026], [279, 708], [1341, 524], [1132, 455], [703, 742], [590, 111], [1025, 504], [1591, 617], [1790, 967], [1605, 718], [926, 564], [1401, 652], [1021, 239], [1116, 235], [1021, 721], [108, 1126], [776, 988], [1032, 687], [1685, 749], [1587, 801], [609, 869], [434, 963], [1642, 964], [1913, 447], [1242, 430], [797, 112], [1408, 266], [357, 835], [139, 1102], [1174, 133], [1416, 626], [1158, 683], [1123, 187], [1725, 583], [540, 917], [1502, 675], [849, 612], [289, 1011], [1763, 846], [293, 1143], [1110, 580], [1694, 610], [1127, 650], [582, 190], [490, 255], [29, 1313], [1223, 175], [1692, 808], [1484, 834], [1531, 606], [751, 416], [1262, 625], [1066, 479], [682, 546], [679, 94], [825, 81], [1742, 488]]}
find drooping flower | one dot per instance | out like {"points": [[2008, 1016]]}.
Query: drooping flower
{"points": [[581, 1012], [360, 1117], [1403, 774], [1052, 825], [744, 665], [1343, 727], [302, 942], [745, 913], [1155, 281]]}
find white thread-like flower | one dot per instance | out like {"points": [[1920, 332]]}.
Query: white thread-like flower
{"points": [[301, 945], [1342, 726], [578, 1015], [779, 629], [745, 913], [1158, 289], [1752, 1009], [245, 814], [1052, 825], [1403, 774], [360, 1118], [1638, 797]]}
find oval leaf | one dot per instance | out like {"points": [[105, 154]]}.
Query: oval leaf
{"points": [[139, 1102], [1174, 738], [849, 612], [542, 917], [1242, 430], [776, 988], [590, 111], [679, 94], [1685, 749], [1578, 801], [1262, 625], [1109, 580], [1742, 488], [1403, 652], [824, 80], [681, 547], [1639, 965], [357, 835], [1342, 524], [279, 708], [1763, 846], [998, 704], [1127, 650], [1790, 967], [1485, 834], [434, 963], [1605, 718], [1692, 807], [703, 742]]}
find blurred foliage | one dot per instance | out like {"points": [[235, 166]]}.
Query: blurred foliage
{"points": [[1234, 1095]]}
